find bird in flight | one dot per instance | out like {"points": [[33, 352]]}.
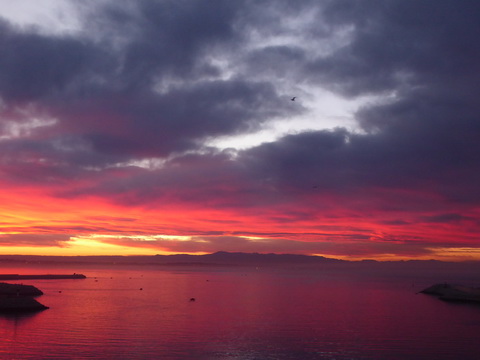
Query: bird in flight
{"points": [[293, 99]]}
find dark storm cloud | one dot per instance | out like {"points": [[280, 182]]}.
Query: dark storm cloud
{"points": [[448, 218], [139, 81], [155, 78], [425, 134], [212, 180], [277, 61], [156, 125], [34, 66], [125, 49], [52, 162], [398, 43], [338, 161], [165, 36]]}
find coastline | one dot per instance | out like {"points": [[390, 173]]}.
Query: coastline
{"points": [[16, 298]]}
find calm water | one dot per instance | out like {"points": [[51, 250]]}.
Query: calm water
{"points": [[238, 314]]}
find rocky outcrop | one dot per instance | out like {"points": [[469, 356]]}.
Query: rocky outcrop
{"points": [[19, 298], [20, 304], [19, 290], [449, 292]]}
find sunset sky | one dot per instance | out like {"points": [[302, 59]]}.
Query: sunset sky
{"points": [[167, 126]]}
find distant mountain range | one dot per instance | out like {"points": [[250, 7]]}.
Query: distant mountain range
{"points": [[454, 272], [233, 259], [219, 258]]}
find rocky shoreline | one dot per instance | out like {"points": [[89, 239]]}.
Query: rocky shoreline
{"points": [[19, 290], [19, 298], [16, 298], [20, 304], [450, 292]]}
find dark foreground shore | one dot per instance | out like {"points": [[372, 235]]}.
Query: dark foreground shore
{"points": [[451, 292], [11, 305], [16, 298]]}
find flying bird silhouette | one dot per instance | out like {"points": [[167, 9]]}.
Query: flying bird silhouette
{"points": [[293, 99]]}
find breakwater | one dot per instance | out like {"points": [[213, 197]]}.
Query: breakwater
{"points": [[41, 277]]}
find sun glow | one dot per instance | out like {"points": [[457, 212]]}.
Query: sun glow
{"points": [[80, 246], [456, 253]]}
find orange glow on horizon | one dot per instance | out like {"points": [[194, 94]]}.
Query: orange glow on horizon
{"points": [[81, 247], [79, 224]]}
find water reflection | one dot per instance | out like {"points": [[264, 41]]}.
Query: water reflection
{"points": [[17, 317], [11, 333], [238, 315]]}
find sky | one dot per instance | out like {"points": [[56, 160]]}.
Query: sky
{"points": [[167, 126]]}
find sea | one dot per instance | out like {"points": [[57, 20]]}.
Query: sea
{"points": [[240, 312]]}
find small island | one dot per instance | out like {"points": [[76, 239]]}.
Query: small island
{"points": [[450, 292]]}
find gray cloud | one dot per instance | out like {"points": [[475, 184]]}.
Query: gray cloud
{"points": [[448, 218], [139, 81], [155, 79], [34, 239]]}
